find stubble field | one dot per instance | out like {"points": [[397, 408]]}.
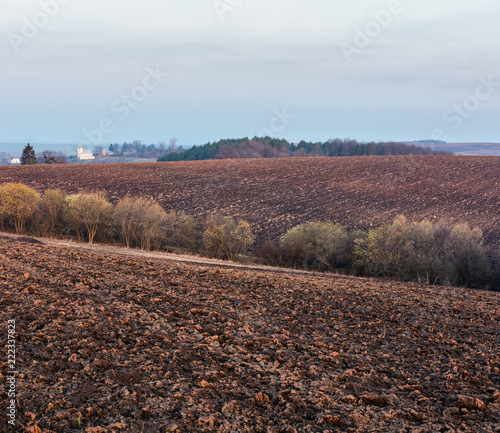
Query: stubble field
{"points": [[111, 343], [277, 194]]}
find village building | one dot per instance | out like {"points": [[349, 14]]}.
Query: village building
{"points": [[84, 154]]}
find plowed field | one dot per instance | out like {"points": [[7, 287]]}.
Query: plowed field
{"points": [[110, 343], [277, 194]]}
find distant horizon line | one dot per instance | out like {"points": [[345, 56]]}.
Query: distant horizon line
{"points": [[65, 143], [459, 147]]}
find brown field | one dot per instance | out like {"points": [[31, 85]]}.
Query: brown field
{"points": [[110, 343], [277, 194]]}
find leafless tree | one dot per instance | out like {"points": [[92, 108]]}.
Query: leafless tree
{"points": [[172, 143], [52, 157]]}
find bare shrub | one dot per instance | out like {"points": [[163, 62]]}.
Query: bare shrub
{"points": [[88, 213], [72, 224], [315, 245], [386, 251], [371, 255], [152, 231], [52, 206], [397, 248], [425, 252], [181, 231], [494, 259], [427, 261], [19, 202], [270, 253], [468, 253], [224, 238], [127, 216], [141, 222]]}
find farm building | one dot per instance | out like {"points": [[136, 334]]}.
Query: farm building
{"points": [[15, 161]]}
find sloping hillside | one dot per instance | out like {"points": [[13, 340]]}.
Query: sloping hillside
{"points": [[109, 343], [277, 194]]}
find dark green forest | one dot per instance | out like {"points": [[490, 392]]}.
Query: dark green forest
{"points": [[266, 147]]}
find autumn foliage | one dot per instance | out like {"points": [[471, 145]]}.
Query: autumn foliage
{"points": [[19, 202], [423, 251], [225, 238]]}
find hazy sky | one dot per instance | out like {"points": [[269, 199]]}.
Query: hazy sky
{"points": [[89, 71]]}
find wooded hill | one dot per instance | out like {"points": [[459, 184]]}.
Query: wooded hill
{"points": [[266, 147]]}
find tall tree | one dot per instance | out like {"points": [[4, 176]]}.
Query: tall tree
{"points": [[162, 147], [28, 157], [172, 143]]}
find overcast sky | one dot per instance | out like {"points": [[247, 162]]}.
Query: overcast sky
{"points": [[88, 71]]}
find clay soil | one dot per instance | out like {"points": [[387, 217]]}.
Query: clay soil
{"points": [[113, 343], [277, 194]]}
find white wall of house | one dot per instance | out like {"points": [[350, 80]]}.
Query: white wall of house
{"points": [[84, 154]]}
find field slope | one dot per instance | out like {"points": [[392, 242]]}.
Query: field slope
{"points": [[110, 343], [277, 194]]}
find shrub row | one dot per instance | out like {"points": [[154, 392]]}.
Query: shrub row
{"points": [[134, 221], [426, 252]]}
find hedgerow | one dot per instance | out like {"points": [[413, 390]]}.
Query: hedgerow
{"points": [[426, 252]]}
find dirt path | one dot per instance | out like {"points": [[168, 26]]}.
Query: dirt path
{"points": [[115, 340], [169, 257]]}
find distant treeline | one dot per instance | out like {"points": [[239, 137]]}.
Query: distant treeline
{"points": [[137, 149], [267, 147]]}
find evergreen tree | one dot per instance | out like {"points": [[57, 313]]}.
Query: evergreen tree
{"points": [[28, 157]]}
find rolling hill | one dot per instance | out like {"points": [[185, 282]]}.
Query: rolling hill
{"points": [[277, 194]]}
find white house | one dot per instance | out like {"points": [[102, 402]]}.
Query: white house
{"points": [[84, 154], [15, 160]]}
